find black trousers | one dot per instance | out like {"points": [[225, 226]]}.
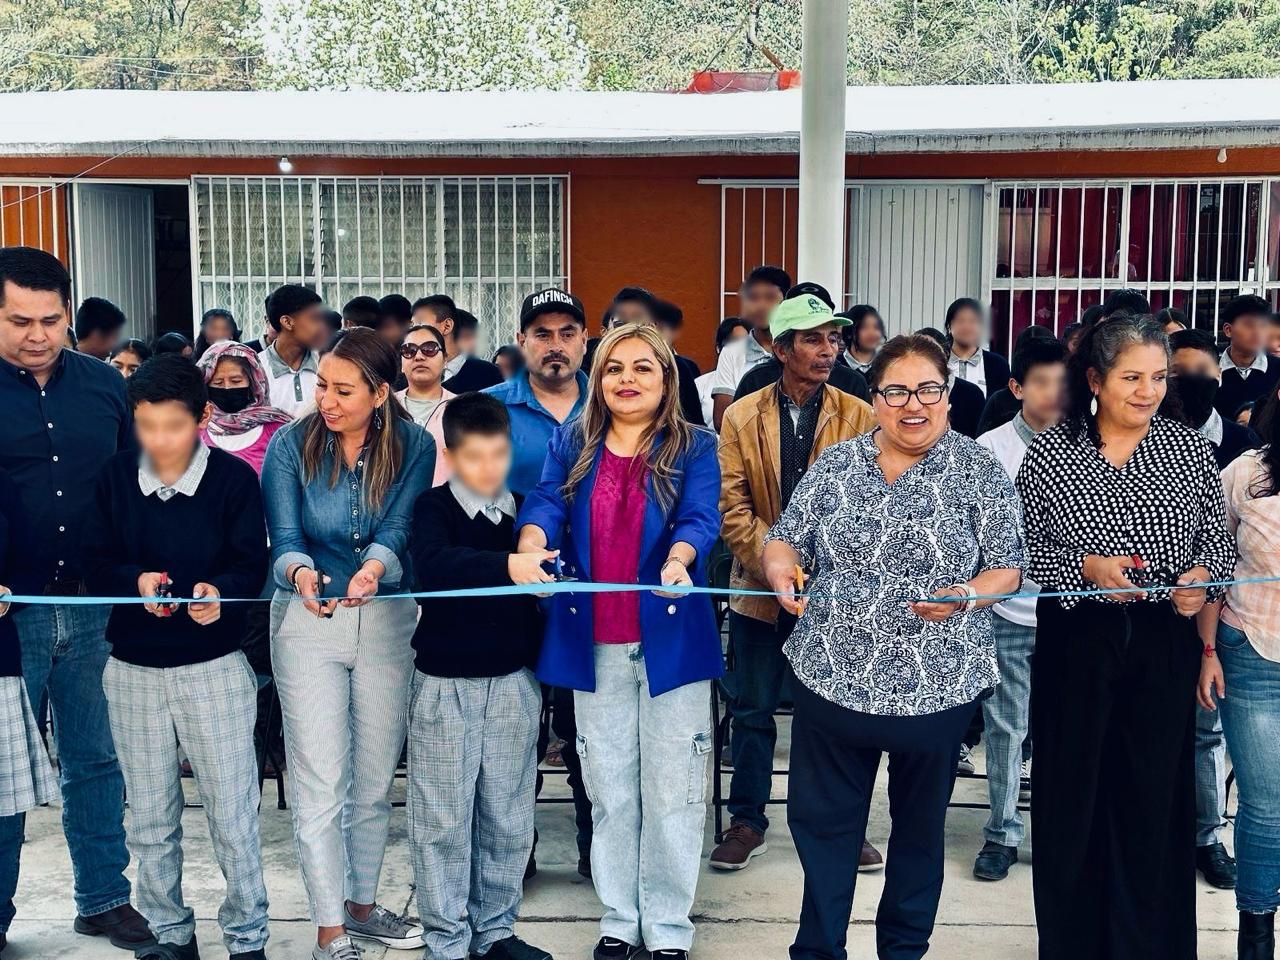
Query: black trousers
{"points": [[1113, 798], [834, 757]]}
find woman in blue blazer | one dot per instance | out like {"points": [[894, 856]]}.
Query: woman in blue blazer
{"points": [[629, 494]]}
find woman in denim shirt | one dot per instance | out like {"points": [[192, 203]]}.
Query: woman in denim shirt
{"points": [[339, 486], [629, 494]]}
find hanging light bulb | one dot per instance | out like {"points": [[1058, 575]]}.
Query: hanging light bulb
{"points": [[285, 165], [1222, 155]]}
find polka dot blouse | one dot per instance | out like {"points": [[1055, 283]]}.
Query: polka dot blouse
{"points": [[1165, 505]]}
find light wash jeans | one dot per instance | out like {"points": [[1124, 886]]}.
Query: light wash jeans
{"points": [[644, 762], [64, 651], [1251, 720], [344, 692], [1007, 714], [1211, 777]]}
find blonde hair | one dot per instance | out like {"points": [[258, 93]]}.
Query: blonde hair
{"points": [[668, 422]]}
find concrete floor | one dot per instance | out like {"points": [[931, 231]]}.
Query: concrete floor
{"points": [[749, 913]]}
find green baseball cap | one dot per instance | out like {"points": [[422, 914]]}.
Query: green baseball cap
{"points": [[802, 313]]}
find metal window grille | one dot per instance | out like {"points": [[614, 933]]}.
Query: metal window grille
{"points": [[1062, 246], [485, 241], [33, 214]]}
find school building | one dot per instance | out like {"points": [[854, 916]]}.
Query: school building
{"points": [[1038, 199]]}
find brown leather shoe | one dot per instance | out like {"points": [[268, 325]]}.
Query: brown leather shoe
{"points": [[869, 861], [124, 926], [739, 845]]}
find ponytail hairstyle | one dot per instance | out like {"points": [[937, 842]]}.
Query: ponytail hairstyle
{"points": [[668, 422], [379, 365], [1099, 350]]}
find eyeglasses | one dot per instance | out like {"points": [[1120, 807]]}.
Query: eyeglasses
{"points": [[429, 349], [928, 394]]}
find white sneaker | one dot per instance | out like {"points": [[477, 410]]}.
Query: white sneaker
{"points": [[965, 764], [343, 948], [396, 932]]}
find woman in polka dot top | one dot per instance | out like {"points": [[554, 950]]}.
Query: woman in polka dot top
{"points": [[1117, 498]]}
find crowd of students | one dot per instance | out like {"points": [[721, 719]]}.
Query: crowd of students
{"points": [[876, 497]]}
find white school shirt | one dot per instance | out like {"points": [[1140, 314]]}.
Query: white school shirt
{"points": [[291, 390], [736, 359], [1009, 447]]}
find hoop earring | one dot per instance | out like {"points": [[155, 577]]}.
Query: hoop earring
{"points": [[377, 420], [1093, 405]]}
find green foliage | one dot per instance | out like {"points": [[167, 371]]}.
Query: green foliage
{"points": [[614, 44], [136, 44]]}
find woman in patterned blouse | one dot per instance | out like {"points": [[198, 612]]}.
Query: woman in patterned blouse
{"points": [[1116, 499], [909, 511]]}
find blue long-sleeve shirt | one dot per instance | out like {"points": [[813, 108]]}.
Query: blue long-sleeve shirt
{"points": [[54, 440], [531, 428], [333, 528]]}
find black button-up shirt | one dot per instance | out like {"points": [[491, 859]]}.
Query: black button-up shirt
{"points": [[53, 442], [796, 427]]}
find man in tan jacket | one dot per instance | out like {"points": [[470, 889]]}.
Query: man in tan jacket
{"points": [[768, 439]]}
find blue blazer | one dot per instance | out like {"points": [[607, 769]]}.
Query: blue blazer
{"points": [[680, 639]]}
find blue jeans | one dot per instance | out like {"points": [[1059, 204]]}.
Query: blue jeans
{"points": [[1251, 721], [63, 654], [10, 854], [753, 688], [1211, 777], [1007, 715], [644, 762]]}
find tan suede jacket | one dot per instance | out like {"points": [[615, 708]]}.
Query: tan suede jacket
{"points": [[750, 485]]}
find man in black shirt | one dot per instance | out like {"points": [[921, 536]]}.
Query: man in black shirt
{"points": [[462, 371], [64, 415], [98, 326], [180, 519], [475, 705]]}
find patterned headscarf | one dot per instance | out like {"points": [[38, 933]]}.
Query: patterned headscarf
{"points": [[259, 412]]}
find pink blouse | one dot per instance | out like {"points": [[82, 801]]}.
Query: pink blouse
{"points": [[1255, 521], [252, 453], [618, 503]]}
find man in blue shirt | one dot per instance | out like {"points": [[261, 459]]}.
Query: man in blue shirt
{"points": [[65, 414], [551, 388], [549, 391]]}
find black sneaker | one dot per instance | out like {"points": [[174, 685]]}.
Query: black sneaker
{"points": [[513, 948], [611, 948], [169, 951], [1217, 866], [994, 860], [669, 954]]}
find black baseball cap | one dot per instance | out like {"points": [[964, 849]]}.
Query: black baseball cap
{"points": [[808, 287], [551, 300]]}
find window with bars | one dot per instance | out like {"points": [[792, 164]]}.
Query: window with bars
{"points": [[485, 241], [1061, 247]]}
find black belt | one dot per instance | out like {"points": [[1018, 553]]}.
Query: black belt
{"points": [[64, 588]]}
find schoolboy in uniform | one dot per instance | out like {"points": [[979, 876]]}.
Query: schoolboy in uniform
{"points": [[474, 703], [183, 518]]}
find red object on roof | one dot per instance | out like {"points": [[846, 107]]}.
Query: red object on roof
{"points": [[728, 81]]}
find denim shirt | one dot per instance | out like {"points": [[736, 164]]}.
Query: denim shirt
{"points": [[531, 428], [333, 528]]}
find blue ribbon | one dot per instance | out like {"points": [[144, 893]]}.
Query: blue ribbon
{"points": [[580, 586]]}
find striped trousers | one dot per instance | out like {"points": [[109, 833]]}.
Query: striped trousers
{"points": [[344, 686]]}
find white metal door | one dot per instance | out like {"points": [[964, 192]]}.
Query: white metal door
{"points": [[114, 254], [913, 248]]}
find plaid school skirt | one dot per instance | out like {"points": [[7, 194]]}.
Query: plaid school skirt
{"points": [[27, 779]]}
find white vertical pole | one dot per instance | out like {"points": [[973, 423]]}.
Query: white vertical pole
{"points": [[822, 144]]}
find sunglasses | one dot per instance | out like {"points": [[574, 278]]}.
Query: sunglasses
{"points": [[429, 349]]}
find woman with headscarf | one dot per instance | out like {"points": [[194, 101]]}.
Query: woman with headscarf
{"points": [[242, 420]]}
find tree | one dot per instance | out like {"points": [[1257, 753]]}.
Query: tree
{"points": [[421, 45], [146, 44]]}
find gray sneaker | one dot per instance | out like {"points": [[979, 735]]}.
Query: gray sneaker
{"points": [[343, 948], [398, 933]]}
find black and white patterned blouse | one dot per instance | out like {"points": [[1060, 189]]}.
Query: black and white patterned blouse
{"points": [[875, 547], [1165, 505]]}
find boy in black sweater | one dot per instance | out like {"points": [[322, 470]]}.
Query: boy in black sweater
{"points": [[182, 520], [474, 704], [1248, 373]]}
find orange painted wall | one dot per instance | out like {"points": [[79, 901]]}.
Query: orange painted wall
{"points": [[647, 220]]}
